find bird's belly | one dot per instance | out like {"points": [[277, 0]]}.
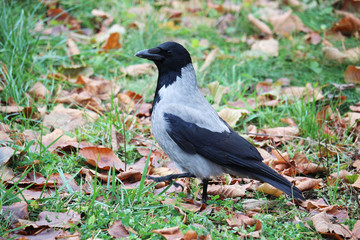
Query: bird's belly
{"points": [[190, 163]]}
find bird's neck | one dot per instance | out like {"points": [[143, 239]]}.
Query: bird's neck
{"points": [[185, 75]]}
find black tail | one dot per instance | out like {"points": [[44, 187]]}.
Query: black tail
{"points": [[267, 174]]}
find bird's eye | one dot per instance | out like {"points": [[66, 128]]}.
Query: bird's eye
{"points": [[168, 53]]}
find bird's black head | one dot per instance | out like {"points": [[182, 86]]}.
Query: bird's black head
{"points": [[168, 56]]}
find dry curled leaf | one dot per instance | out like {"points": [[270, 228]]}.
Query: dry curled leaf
{"points": [[139, 69], [259, 25], [231, 116], [333, 53], [118, 230], [112, 42], [102, 157], [56, 219], [324, 226], [269, 46], [172, 233], [352, 74], [227, 191]]}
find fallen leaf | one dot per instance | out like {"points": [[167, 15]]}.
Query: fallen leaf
{"points": [[190, 234], [231, 116], [118, 230], [57, 219], [324, 226], [305, 183], [39, 91], [6, 173], [112, 42], [101, 157], [5, 154], [286, 23], [356, 184], [278, 133], [314, 38], [259, 25], [16, 211], [356, 229], [100, 13], [352, 74], [172, 233], [216, 91], [353, 118], [227, 191], [269, 46], [209, 59], [333, 53], [240, 220], [251, 204], [72, 48], [347, 25], [68, 119], [267, 188], [139, 69]]}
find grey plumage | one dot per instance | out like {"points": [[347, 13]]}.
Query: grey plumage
{"points": [[190, 131]]}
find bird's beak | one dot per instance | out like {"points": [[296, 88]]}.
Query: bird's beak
{"points": [[149, 54]]}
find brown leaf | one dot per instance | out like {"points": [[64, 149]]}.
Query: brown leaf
{"points": [[57, 179], [191, 205], [69, 119], [100, 13], [353, 118], [314, 38], [16, 210], [56, 140], [84, 99], [348, 25], [101, 157], [118, 230], [172, 233], [5, 154], [287, 133], [251, 204], [352, 74], [355, 108], [356, 184], [72, 48], [39, 91], [209, 59], [324, 226], [231, 116], [353, 54], [305, 183], [286, 23], [333, 53], [269, 46], [356, 229], [56, 219], [139, 69], [190, 234], [227, 191], [112, 42], [240, 220], [308, 93], [47, 234], [259, 25], [6, 173]]}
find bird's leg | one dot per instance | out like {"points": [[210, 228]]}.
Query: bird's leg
{"points": [[171, 178], [204, 194]]}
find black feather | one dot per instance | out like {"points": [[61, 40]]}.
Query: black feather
{"points": [[228, 149]]}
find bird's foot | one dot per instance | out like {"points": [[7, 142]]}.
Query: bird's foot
{"points": [[171, 178]]}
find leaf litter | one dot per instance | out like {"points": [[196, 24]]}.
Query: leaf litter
{"points": [[90, 96]]}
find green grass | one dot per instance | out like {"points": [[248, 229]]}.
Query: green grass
{"points": [[30, 57]]}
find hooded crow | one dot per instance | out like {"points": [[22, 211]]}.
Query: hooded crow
{"points": [[192, 134]]}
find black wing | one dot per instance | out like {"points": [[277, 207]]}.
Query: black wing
{"points": [[228, 149]]}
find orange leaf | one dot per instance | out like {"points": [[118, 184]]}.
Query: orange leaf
{"points": [[352, 74], [101, 157], [112, 42]]}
